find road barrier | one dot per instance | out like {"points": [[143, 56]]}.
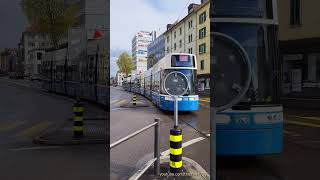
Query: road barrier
{"points": [[176, 164], [78, 111], [156, 153], [134, 99]]}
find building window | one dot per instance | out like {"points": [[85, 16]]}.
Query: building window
{"points": [[295, 12], [168, 39], [202, 48], [202, 17], [180, 43], [175, 46], [190, 24], [202, 64], [168, 49], [175, 34], [202, 33], [190, 38], [39, 56], [190, 50], [180, 31]]}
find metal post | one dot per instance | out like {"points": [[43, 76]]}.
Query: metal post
{"points": [[213, 144], [175, 111], [157, 147]]}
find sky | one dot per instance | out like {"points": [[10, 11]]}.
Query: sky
{"points": [[12, 23], [131, 16]]}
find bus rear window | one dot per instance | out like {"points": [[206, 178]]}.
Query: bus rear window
{"points": [[182, 61]]}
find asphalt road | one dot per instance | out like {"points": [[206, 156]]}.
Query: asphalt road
{"points": [[24, 113], [299, 160], [130, 156]]}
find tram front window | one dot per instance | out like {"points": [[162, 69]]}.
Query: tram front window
{"points": [[260, 52]]}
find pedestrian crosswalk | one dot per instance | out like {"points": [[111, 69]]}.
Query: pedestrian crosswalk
{"points": [[118, 102], [23, 129]]}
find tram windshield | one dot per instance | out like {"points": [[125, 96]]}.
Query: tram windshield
{"points": [[262, 54], [189, 73], [243, 8]]}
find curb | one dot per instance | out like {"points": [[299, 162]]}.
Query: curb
{"points": [[39, 140]]}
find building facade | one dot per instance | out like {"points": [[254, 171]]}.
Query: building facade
{"points": [[32, 40], [192, 35], [35, 59], [8, 61], [88, 39], [140, 43], [156, 51], [120, 77], [299, 35]]}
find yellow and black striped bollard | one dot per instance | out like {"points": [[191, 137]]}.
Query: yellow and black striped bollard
{"points": [[78, 111], [134, 99], [176, 150]]}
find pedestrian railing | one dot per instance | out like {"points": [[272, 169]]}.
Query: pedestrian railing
{"points": [[156, 160]]}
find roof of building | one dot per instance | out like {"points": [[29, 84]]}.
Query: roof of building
{"points": [[189, 14]]}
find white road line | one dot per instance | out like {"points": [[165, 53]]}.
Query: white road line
{"points": [[35, 148], [186, 144], [113, 101], [120, 102]]}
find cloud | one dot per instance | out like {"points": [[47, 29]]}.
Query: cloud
{"points": [[131, 16]]}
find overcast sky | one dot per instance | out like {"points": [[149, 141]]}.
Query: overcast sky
{"points": [[12, 23], [130, 16]]}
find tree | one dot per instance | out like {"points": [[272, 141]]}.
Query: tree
{"points": [[50, 16], [124, 63]]}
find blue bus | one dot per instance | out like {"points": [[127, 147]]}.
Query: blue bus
{"points": [[245, 44], [151, 83]]}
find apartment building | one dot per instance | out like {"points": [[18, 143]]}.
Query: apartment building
{"points": [[192, 35], [299, 35]]}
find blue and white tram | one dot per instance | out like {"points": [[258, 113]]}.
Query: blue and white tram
{"points": [[150, 83], [248, 30]]}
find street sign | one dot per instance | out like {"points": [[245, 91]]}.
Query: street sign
{"points": [[176, 84]]}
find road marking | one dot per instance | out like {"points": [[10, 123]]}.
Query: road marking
{"points": [[120, 102], [113, 101], [303, 124], [186, 144], [34, 130], [35, 148], [204, 100], [291, 133], [10, 126], [306, 117]]}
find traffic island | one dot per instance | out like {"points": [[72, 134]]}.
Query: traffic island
{"points": [[191, 170], [138, 104], [94, 132]]}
